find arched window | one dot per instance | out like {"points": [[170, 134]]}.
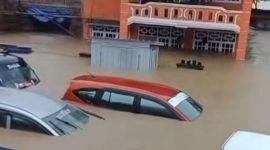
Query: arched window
{"points": [[175, 14], [166, 12], [156, 12], [220, 18], [190, 14], [136, 12], [231, 19], [210, 17], [146, 12], [200, 15]]}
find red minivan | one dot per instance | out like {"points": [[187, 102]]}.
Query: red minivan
{"points": [[133, 96]]}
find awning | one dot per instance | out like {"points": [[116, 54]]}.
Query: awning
{"points": [[184, 23], [48, 13]]}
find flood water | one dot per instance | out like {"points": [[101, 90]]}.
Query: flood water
{"points": [[235, 96]]}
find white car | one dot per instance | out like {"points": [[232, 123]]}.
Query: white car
{"points": [[28, 111], [244, 140]]}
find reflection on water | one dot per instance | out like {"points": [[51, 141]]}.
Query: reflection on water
{"points": [[234, 96]]}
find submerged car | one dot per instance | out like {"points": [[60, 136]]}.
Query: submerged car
{"points": [[28, 111], [15, 72], [3, 148], [245, 140], [133, 96]]}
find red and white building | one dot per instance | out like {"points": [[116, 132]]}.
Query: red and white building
{"points": [[218, 25]]}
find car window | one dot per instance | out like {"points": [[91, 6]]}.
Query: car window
{"points": [[118, 101], [106, 96], [67, 120], [87, 95], [22, 123], [3, 118], [121, 99], [188, 109], [152, 107], [19, 122], [20, 77], [187, 105]]}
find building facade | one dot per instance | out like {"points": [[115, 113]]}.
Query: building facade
{"points": [[219, 26]]}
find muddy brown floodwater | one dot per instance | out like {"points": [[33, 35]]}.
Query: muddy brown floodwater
{"points": [[235, 96]]}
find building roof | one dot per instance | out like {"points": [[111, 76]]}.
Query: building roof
{"points": [[244, 140], [184, 23], [29, 102], [129, 42], [156, 88]]}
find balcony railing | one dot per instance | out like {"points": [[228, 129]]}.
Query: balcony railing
{"points": [[192, 2], [196, 13]]}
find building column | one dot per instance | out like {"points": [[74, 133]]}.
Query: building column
{"points": [[87, 16], [86, 30], [244, 21], [124, 15], [188, 39], [134, 31]]}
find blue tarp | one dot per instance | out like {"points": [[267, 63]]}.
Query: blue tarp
{"points": [[49, 13]]}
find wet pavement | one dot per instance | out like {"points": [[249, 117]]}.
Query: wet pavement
{"points": [[234, 95]]}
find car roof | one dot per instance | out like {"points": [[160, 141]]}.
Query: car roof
{"points": [[244, 140], [6, 59], [29, 102], [141, 86]]}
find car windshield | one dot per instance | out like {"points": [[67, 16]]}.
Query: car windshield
{"points": [[67, 120], [188, 106], [20, 77]]}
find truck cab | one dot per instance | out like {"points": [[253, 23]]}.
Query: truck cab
{"points": [[15, 72]]}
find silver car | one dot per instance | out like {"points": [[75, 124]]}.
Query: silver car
{"points": [[28, 111]]}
